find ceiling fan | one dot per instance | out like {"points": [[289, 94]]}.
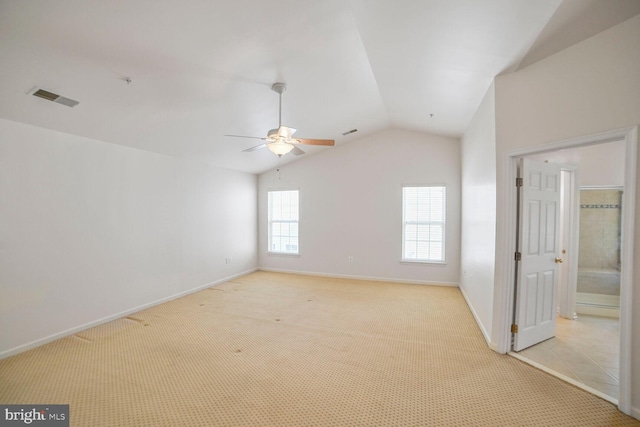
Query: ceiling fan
{"points": [[280, 141]]}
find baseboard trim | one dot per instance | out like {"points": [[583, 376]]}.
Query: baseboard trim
{"points": [[41, 341], [475, 316], [635, 413], [595, 310], [356, 277], [496, 348]]}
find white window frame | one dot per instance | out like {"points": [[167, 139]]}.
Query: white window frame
{"points": [[428, 222], [271, 221]]}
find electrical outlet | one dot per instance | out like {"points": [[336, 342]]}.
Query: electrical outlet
{"points": [[350, 258]]}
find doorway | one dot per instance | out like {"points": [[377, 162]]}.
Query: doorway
{"points": [[629, 138], [586, 344]]}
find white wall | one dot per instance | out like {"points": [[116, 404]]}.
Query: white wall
{"points": [[477, 257], [89, 230], [588, 88], [598, 165], [351, 205]]}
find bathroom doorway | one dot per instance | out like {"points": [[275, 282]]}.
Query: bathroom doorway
{"points": [[586, 348]]}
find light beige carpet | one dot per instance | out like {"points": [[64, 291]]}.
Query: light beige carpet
{"points": [[273, 349]]}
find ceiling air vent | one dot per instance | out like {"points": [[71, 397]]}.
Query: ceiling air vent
{"points": [[49, 96]]}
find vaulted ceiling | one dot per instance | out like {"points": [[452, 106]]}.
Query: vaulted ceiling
{"points": [[200, 69]]}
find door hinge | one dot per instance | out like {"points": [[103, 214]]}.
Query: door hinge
{"points": [[519, 182], [518, 256], [514, 328]]}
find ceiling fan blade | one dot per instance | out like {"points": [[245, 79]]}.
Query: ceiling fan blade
{"points": [[243, 136], [328, 142], [296, 151], [257, 147], [286, 132]]}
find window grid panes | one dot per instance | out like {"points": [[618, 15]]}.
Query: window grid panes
{"points": [[283, 221], [423, 217]]}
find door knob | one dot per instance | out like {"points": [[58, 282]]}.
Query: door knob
{"points": [[558, 260]]}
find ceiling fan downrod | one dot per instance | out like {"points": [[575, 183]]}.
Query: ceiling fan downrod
{"points": [[279, 88]]}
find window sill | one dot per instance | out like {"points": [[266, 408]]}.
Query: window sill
{"points": [[283, 254], [420, 262]]}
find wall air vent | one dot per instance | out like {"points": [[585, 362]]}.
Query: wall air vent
{"points": [[50, 96], [349, 132]]}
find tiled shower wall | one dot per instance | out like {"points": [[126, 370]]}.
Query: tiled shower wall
{"points": [[599, 235]]}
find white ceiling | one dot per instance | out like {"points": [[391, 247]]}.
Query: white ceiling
{"points": [[200, 69]]}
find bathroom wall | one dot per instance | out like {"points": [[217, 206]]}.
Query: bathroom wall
{"points": [[599, 256]]}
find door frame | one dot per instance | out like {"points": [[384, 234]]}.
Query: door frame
{"points": [[507, 231], [571, 236]]}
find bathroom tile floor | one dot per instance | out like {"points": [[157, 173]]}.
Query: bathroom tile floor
{"points": [[586, 350]]}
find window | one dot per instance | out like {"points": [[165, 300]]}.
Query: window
{"points": [[423, 223], [283, 221]]}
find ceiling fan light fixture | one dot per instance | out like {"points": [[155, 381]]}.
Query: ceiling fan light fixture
{"points": [[280, 141], [280, 147]]}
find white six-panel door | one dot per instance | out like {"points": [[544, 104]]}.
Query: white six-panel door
{"points": [[537, 278]]}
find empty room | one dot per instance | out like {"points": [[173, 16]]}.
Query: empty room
{"points": [[332, 213]]}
